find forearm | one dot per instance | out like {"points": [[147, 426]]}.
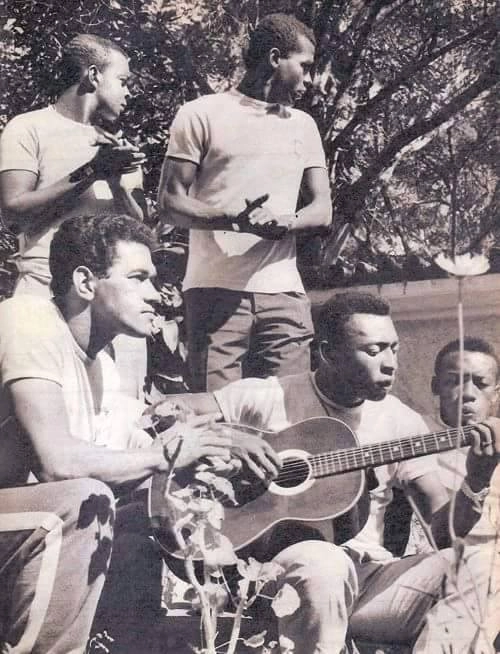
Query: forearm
{"points": [[466, 514], [188, 212], [41, 204], [129, 201], [114, 467], [314, 215]]}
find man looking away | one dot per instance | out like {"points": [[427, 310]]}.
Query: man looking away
{"points": [[61, 419], [58, 162], [235, 166]]}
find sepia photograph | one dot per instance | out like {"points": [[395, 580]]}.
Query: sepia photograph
{"points": [[249, 341]]}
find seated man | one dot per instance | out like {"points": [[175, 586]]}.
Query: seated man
{"points": [[481, 386], [58, 407], [360, 589]]}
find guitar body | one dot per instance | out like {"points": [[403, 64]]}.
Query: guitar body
{"points": [[300, 505]]}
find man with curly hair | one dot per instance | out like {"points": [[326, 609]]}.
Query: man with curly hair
{"points": [[238, 166], [62, 419]]}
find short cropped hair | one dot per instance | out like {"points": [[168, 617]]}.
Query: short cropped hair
{"points": [[471, 344], [82, 51], [336, 313], [280, 31], [91, 241]]}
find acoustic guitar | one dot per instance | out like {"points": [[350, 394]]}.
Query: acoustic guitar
{"points": [[316, 485]]}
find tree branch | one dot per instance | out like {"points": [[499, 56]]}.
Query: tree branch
{"points": [[364, 110], [350, 199]]}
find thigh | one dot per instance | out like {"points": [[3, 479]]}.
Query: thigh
{"points": [[218, 323], [395, 597], [282, 334]]}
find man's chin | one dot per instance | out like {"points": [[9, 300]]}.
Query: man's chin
{"points": [[378, 393]]}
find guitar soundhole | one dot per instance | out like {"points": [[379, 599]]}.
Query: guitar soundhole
{"points": [[293, 473]]}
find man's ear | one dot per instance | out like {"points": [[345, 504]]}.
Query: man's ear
{"points": [[326, 355], [274, 57], [91, 77], [84, 282], [434, 385]]}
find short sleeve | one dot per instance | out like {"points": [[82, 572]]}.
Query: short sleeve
{"points": [[18, 147], [414, 425], [29, 347], [314, 152], [258, 403], [187, 135]]}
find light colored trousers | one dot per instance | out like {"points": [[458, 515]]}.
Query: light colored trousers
{"points": [[417, 597], [55, 547]]}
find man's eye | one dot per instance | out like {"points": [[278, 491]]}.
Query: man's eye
{"points": [[373, 351]]}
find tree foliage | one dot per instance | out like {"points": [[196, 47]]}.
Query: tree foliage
{"points": [[403, 95]]}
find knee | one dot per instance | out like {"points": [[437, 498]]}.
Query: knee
{"points": [[325, 562]]}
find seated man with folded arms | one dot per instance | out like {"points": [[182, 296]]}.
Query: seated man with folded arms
{"points": [[359, 589], [60, 419]]}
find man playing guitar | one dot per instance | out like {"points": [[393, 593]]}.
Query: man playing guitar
{"points": [[359, 589]]}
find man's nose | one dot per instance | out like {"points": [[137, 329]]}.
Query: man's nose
{"points": [[390, 361], [308, 80], [468, 390], [152, 294]]}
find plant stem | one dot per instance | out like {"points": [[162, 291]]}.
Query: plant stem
{"points": [[235, 632]]}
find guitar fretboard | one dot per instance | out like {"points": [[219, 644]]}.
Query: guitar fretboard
{"points": [[356, 458]]}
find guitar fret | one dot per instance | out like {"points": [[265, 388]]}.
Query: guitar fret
{"points": [[355, 458]]}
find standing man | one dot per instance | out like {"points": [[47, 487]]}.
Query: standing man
{"points": [[59, 419], [360, 589], [236, 165], [56, 162]]}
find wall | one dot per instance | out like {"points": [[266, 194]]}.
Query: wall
{"points": [[425, 314]]}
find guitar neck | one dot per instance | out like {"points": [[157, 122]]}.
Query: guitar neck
{"points": [[369, 456]]}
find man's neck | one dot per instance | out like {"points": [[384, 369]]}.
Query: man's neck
{"points": [[338, 393], [83, 328], [76, 106], [255, 85]]}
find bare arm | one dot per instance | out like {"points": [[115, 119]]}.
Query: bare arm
{"points": [[177, 207], [131, 201], [41, 413], [316, 213], [432, 498], [24, 204]]}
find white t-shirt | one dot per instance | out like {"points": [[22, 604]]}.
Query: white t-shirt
{"points": [[35, 342], [452, 470], [244, 148], [276, 403], [52, 146]]}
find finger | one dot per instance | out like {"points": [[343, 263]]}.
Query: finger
{"points": [[274, 457], [266, 463], [219, 441], [110, 138], [258, 202], [483, 442], [205, 419], [257, 470], [214, 450]]}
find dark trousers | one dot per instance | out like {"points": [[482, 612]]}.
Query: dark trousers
{"points": [[233, 334]]}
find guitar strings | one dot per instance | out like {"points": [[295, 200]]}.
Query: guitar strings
{"points": [[344, 457]]}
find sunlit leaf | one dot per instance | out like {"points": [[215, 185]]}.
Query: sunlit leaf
{"points": [[257, 640]]}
